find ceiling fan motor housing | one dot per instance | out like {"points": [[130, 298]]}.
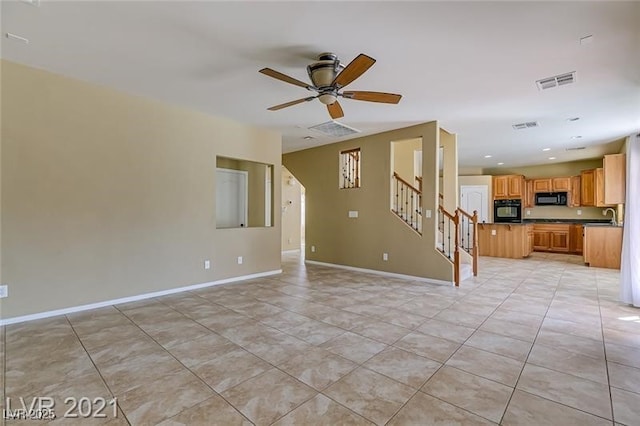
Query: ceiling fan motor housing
{"points": [[323, 72]]}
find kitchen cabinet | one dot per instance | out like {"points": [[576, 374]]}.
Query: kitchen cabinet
{"points": [[556, 184], [574, 193], [614, 170], [551, 237], [529, 195], [592, 188], [576, 238], [603, 246], [505, 240], [542, 185], [508, 187]]}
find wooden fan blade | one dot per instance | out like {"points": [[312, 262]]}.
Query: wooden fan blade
{"points": [[288, 104], [283, 77], [355, 69], [387, 98], [335, 110]]}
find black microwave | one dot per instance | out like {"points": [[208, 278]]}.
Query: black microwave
{"points": [[551, 199]]}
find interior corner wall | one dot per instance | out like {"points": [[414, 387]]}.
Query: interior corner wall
{"points": [[107, 195], [291, 211], [360, 242], [449, 171]]}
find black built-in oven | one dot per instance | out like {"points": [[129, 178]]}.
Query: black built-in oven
{"points": [[507, 211]]}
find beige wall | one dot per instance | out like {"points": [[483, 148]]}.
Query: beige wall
{"points": [[403, 152], [361, 242], [449, 188], [107, 195], [291, 211], [572, 168]]}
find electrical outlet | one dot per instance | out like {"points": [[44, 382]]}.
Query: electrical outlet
{"points": [[427, 214], [493, 232], [528, 212], [579, 212], [313, 249], [4, 291], [207, 264], [239, 260], [385, 256]]}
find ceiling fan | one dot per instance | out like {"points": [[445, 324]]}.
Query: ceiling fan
{"points": [[329, 76]]}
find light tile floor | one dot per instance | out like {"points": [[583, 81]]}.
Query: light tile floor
{"points": [[536, 341]]}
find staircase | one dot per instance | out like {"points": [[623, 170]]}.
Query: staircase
{"points": [[457, 234], [458, 241]]}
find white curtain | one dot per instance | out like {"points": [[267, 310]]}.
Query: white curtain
{"points": [[630, 269]]}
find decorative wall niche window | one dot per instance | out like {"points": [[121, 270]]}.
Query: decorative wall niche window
{"points": [[244, 193], [350, 168]]}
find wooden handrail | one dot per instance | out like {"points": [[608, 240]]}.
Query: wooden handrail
{"points": [[470, 216], [454, 218], [397, 176]]}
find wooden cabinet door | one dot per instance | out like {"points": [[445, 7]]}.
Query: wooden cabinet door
{"points": [[500, 187], [561, 184], [559, 241], [588, 188], [528, 193], [542, 185], [516, 184], [599, 185], [575, 239], [574, 195], [614, 166], [541, 240]]}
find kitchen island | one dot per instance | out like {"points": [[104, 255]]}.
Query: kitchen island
{"points": [[511, 240]]}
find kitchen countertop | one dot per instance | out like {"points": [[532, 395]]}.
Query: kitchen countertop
{"points": [[570, 221]]}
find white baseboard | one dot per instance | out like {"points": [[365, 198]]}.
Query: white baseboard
{"points": [[73, 309], [375, 271]]}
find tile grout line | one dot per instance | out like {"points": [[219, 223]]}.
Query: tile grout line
{"points": [[113, 395], [604, 347], [193, 373]]}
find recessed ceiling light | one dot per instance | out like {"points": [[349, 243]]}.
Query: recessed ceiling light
{"points": [[552, 158], [576, 137], [487, 156], [500, 164], [573, 119], [307, 138], [35, 3], [546, 149]]}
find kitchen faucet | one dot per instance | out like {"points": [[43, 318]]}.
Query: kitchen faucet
{"points": [[613, 219]]}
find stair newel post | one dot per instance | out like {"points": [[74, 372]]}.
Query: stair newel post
{"points": [[456, 253], [475, 243]]}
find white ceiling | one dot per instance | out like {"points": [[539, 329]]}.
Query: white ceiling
{"points": [[470, 65]]}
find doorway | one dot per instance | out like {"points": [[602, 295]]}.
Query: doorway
{"points": [[475, 197]]}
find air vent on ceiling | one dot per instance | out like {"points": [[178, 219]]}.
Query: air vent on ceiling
{"points": [[558, 80], [335, 129], [527, 125], [578, 148]]}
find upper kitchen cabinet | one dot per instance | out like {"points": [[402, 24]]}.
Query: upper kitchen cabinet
{"points": [[614, 169], [557, 184], [529, 196], [592, 188], [574, 193], [508, 187]]}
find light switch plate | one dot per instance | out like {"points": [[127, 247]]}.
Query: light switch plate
{"points": [[207, 264], [353, 214], [385, 256], [313, 249], [427, 214], [4, 291], [239, 260]]}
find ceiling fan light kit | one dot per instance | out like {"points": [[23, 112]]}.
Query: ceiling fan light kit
{"points": [[328, 77]]}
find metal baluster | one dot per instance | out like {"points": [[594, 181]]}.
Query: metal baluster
{"points": [[449, 238]]}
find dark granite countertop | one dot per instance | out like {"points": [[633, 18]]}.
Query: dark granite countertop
{"points": [[576, 221]]}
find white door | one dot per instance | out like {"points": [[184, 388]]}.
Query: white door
{"points": [[231, 198], [475, 197]]}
